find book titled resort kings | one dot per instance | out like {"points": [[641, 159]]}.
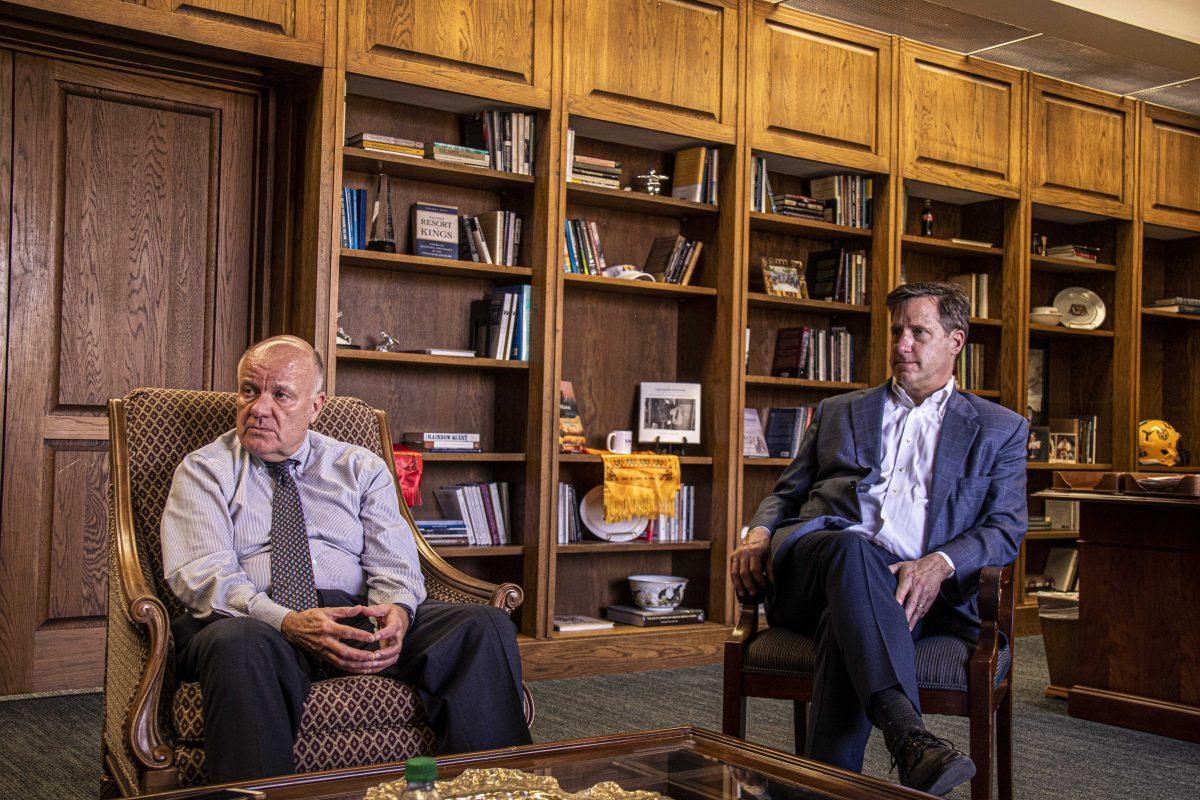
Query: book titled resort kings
{"points": [[435, 230]]}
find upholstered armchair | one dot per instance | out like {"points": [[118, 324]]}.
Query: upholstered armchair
{"points": [[153, 728], [953, 678]]}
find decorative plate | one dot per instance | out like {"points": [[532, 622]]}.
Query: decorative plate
{"points": [[1081, 308], [591, 510]]}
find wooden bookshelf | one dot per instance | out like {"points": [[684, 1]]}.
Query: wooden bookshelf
{"points": [[1059, 330], [601, 283], [402, 262], [477, 551], [589, 458], [945, 247], [763, 300], [630, 547], [1068, 265], [803, 383], [355, 159], [474, 457], [425, 360], [808, 228], [638, 202]]}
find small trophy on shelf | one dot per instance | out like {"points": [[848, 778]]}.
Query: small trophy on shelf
{"points": [[343, 339], [651, 182], [383, 234], [387, 343]]}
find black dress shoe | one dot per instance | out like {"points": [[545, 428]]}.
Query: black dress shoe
{"points": [[930, 764]]}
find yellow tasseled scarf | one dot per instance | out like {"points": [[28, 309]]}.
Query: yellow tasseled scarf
{"points": [[639, 485]]}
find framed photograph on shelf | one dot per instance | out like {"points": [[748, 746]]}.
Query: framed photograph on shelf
{"points": [[784, 278], [1038, 447], [669, 413], [1062, 448], [1035, 390]]}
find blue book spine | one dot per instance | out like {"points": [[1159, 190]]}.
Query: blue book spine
{"points": [[345, 217], [572, 255], [362, 218], [527, 297]]}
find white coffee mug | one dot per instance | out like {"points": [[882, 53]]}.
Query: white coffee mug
{"points": [[619, 442]]}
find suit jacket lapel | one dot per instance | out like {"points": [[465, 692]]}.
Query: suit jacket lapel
{"points": [[867, 409], [954, 444]]}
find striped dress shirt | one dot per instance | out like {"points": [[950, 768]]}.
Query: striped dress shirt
{"points": [[216, 529]]}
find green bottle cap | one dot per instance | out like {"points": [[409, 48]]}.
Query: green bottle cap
{"points": [[420, 770]]}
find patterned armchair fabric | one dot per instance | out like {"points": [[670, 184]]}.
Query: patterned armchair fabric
{"points": [[152, 744]]}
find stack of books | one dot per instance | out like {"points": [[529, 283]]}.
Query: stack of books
{"points": [[968, 370], [1074, 252], [506, 136], [354, 218], [1179, 305], [1073, 439], [1039, 524], [847, 199], [601, 172], [580, 622], [797, 205], [785, 429], [673, 259], [570, 527], [491, 238], [483, 508], [814, 354], [634, 615], [499, 323], [409, 148], [679, 528], [695, 175], [838, 275], [438, 442], [760, 192], [444, 532], [975, 284], [458, 154], [584, 255]]}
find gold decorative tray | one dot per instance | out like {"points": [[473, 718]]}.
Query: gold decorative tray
{"points": [[511, 784]]}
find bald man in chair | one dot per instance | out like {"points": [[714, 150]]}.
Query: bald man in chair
{"points": [[877, 531], [292, 556]]}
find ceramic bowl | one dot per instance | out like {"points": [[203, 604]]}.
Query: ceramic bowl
{"points": [[657, 592], [1045, 315]]}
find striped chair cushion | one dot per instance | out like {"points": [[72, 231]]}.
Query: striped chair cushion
{"points": [[941, 660]]}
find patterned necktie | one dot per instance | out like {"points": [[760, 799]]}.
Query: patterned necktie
{"points": [[292, 583]]}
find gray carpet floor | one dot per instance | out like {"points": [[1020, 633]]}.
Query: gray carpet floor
{"points": [[1056, 757]]}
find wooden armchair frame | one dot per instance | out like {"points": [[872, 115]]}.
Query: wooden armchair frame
{"points": [[138, 756], [987, 704]]}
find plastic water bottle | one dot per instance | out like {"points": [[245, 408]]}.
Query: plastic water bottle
{"points": [[420, 779]]}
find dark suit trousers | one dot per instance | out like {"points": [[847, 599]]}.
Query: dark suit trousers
{"points": [[836, 587], [461, 659]]}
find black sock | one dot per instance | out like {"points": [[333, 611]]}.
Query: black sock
{"points": [[892, 712]]}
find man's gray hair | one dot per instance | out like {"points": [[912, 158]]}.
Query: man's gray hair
{"points": [[954, 310], [299, 344]]}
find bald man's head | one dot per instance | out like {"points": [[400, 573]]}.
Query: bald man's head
{"points": [[279, 396]]}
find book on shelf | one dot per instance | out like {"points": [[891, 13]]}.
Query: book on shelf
{"points": [[604, 173], [848, 198], [584, 253], [442, 351], [1073, 440], [377, 142], [969, 368], [814, 354], [458, 154], [1074, 252], [838, 275], [672, 259], [483, 507], [972, 242], [444, 532], [785, 429], [975, 286], [1177, 305], [634, 615], [354, 218], [499, 324], [570, 525], [1063, 515], [798, 205], [506, 136], [694, 177], [580, 622], [1062, 567], [444, 441], [435, 230], [1178, 309], [677, 528], [571, 438], [754, 442], [760, 191]]}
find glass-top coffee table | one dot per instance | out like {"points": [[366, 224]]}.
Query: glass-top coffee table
{"points": [[682, 763]]}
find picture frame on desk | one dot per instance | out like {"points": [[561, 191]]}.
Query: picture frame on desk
{"points": [[669, 413]]}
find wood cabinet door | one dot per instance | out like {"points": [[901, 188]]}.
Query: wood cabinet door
{"points": [[1081, 146], [132, 216], [297, 19], [960, 120], [667, 65], [1170, 153], [493, 48], [819, 89]]}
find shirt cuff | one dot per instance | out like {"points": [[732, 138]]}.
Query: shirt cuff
{"points": [[948, 561], [264, 608], [404, 599]]}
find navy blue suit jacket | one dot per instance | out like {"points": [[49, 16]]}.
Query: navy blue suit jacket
{"points": [[977, 512]]}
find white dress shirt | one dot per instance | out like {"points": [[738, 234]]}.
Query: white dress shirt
{"points": [[216, 528], [893, 510]]}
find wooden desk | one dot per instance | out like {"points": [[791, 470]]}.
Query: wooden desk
{"points": [[1139, 593]]}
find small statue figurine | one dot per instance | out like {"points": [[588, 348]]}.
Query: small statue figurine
{"points": [[388, 343], [927, 219], [652, 182], [343, 338]]}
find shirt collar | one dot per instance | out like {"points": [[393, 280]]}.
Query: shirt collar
{"points": [[936, 402], [302, 455]]}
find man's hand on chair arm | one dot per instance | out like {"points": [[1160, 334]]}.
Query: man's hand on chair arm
{"points": [[750, 563], [318, 631], [918, 583]]}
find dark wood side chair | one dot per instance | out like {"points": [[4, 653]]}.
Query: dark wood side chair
{"points": [[153, 732], [953, 677]]}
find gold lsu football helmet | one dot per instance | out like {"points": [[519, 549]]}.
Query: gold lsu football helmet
{"points": [[1157, 443]]}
